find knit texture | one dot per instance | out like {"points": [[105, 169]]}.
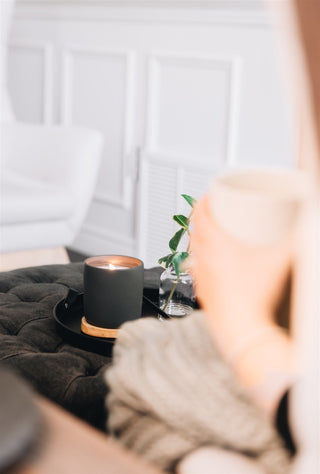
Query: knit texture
{"points": [[170, 393]]}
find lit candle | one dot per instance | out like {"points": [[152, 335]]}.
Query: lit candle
{"points": [[111, 266], [112, 297]]}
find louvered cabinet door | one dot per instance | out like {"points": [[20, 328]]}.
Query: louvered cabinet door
{"points": [[161, 184]]}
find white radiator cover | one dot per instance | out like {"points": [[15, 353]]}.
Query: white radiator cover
{"points": [[179, 89]]}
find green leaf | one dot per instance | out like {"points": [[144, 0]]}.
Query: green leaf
{"points": [[179, 257], [190, 200], [166, 260], [174, 242], [182, 220]]}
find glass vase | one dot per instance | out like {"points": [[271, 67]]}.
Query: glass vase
{"points": [[176, 295]]}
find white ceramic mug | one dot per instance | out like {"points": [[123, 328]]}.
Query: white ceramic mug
{"points": [[259, 206]]}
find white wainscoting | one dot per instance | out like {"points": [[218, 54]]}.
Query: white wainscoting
{"points": [[30, 79], [179, 90], [192, 106], [98, 91]]}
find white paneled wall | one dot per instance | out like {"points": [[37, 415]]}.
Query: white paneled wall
{"points": [[98, 91], [179, 90], [30, 81], [192, 105]]}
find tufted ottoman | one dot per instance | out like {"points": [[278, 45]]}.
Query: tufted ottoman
{"points": [[31, 346]]}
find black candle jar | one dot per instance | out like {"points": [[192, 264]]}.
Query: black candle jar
{"points": [[113, 290]]}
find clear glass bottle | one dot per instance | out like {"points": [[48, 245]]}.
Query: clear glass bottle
{"points": [[176, 296]]}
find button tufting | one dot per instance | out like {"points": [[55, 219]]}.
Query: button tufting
{"points": [[30, 345]]}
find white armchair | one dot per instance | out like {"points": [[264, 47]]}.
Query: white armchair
{"points": [[47, 178], [47, 181]]}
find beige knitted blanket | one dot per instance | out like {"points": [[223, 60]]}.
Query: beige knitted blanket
{"points": [[171, 393]]}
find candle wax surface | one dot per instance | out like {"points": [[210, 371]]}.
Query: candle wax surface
{"points": [[112, 266]]}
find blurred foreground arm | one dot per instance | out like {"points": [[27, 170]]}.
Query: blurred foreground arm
{"points": [[239, 287]]}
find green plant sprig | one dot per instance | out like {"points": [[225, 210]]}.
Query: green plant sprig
{"points": [[176, 257]]}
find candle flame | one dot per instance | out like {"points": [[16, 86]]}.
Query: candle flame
{"points": [[111, 266]]}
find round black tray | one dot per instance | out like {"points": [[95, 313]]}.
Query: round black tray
{"points": [[68, 313]]}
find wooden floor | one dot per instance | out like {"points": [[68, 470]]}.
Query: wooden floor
{"points": [[70, 446], [32, 258]]}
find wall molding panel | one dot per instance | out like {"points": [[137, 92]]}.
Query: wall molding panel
{"points": [[46, 51], [125, 161], [235, 77], [193, 62]]}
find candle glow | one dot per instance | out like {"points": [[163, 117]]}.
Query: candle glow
{"points": [[111, 266]]}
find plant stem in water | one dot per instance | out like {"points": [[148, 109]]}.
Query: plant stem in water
{"points": [[171, 293]]}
